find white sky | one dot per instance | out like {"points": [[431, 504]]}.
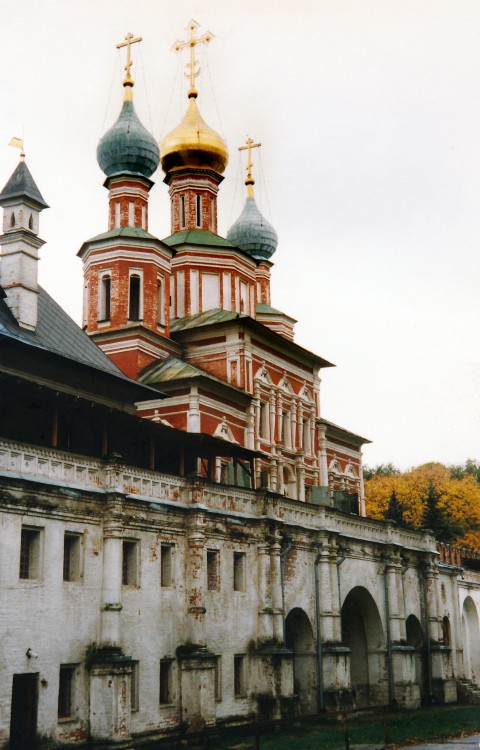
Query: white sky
{"points": [[369, 116]]}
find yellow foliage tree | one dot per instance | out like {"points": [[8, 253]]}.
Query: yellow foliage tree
{"points": [[459, 498]]}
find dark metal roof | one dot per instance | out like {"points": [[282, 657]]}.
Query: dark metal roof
{"points": [[263, 309], [204, 319], [253, 233], [21, 184], [58, 333], [342, 432]]}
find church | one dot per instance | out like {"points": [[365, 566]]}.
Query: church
{"points": [[184, 534]]}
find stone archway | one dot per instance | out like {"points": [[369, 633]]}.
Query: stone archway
{"points": [[362, 633], [415, 639], [471, 641], [299, 638]]}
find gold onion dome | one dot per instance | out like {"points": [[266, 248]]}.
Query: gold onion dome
{"points": [[193, 143]]}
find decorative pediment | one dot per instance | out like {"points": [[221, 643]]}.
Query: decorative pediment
{"points": [[263, 376], [223, 431], [335, 467]]}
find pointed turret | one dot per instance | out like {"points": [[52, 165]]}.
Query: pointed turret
{"points": [[22, 203]]}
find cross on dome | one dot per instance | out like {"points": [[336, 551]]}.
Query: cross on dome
{"points": [[194, 68], [249, 182], [128, 82]]}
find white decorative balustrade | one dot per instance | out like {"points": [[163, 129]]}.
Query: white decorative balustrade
{"points": [[60, 468]]}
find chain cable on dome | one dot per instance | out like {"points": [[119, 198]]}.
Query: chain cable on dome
{"points": [[116, 67], [172, 97], [238, 180], [144, 78]]}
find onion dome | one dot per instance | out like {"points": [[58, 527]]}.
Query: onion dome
{"points": [[252, 232], [193, 143], [128, 146]]}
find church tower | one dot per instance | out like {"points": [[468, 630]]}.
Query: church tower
{"points": [[126, 269]]}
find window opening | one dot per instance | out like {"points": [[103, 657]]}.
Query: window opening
{"points": [[239, 675], [65, 691], [129, 563], [160, 302], [218, 678], [71, 557], [239, 571], [199, 210], [12, 219], [182, 212], [134, 298], [165, 682], [166, 576], [213, 572], [30, 222], [105, 290], [30, 554]]}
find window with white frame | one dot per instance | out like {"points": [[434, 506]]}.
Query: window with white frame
{"points": [[72, 570], [105, 291], [130, 563], [135, 296], [166, 565], [182, 212], [160, 301], [198, 211]]}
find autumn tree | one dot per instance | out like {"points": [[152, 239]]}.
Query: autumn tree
{"points": [[458, 498]]}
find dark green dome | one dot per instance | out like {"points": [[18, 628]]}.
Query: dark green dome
{"points": [[128, 146], [253, 233]]}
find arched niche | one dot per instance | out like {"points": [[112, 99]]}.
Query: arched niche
{"points": [[299, 639], [362, 633], [416, 640], [471, 641]]}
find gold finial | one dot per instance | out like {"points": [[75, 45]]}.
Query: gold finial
{"points": [[128, 82], [249, 182], [194, 69], [18, 143]]}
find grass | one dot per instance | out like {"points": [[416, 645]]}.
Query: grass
{"points": [[404, 727]]}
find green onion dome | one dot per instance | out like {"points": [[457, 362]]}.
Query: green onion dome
{"points": [[253, 233], [128, 146]]}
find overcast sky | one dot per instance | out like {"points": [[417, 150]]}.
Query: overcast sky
{"points": [[368, 112]]}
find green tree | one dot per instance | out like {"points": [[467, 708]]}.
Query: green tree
{"points": [[435, 516], [382, 470], [395, 510]]}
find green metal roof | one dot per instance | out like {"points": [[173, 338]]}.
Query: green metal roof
{"points": [[204, 319], [128, 147], [253, 233], [173, 369], [22, 185], [197, 237]]}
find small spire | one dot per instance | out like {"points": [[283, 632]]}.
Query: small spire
{"points": [[18, 143], [249, 182], [128, 81], [194, 68]]}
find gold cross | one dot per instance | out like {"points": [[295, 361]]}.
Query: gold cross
{"points": [[194, 69], [249, 182], [128, 82]]}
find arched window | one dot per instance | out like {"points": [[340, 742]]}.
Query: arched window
{"points": [[105, 297], [134, 302], [198, 206], [12, 219], [30, 222]]}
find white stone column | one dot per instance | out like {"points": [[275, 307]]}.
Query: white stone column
{"points": [[322, 440], [277, 603], [265, 625], [193, 416], [194, 583], [112, 572]]}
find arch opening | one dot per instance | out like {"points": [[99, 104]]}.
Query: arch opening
{"points": [[471, 641], [299, 638], [362, 633], [416, 640]]}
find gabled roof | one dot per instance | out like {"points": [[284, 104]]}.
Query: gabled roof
{"points": [[173, 369], [56, 332], [206, 318], [22, 185], [221, 317], [198, 237]]}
